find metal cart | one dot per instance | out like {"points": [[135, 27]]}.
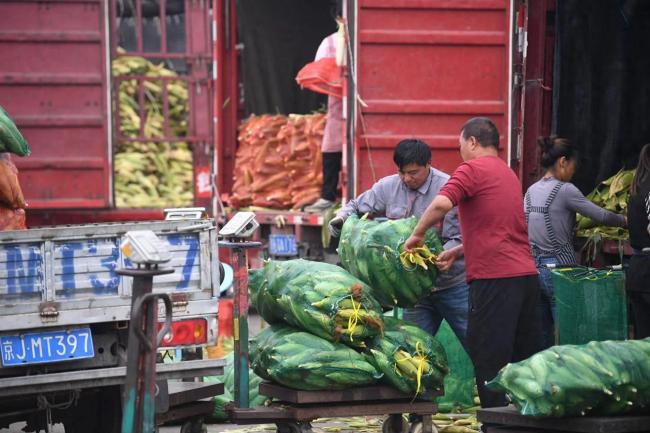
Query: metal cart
{"points": [[293, 410], [509, 420]]}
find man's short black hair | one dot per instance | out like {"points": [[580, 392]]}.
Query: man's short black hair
{"points": [[483, 129], [411, 151]]}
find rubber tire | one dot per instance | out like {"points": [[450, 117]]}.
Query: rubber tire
{"points": [[194, 426], [395, 424], [416, 427], [294, 427]]}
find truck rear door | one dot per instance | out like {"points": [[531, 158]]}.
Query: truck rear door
{"points": [[53, 82], [423, 68]]}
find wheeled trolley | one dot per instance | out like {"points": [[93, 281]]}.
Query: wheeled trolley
{"points": [[292, 411], [509, 420]]}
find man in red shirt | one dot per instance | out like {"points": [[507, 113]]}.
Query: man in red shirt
{"points": [[504, 323]]}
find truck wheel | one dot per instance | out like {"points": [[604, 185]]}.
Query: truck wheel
{"points": [[194, 426], [395, 424]]}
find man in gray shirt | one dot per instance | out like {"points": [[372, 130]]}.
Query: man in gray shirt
{"points": [[408, 193]]}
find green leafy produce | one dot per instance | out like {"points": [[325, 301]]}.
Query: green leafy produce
{"points": [[411, 359], [304, 361], [612, 194], [317, 297], [600, 378], [11, 140], [228, 380], [374, 252]]}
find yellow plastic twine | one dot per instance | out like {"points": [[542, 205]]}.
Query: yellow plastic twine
{"points": [[417, 257], [421, 360], [354, 318]]}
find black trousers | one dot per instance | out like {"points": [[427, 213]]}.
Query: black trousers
{"points": [[504, 326], [331, 169], [638, 291], [640, 305]]}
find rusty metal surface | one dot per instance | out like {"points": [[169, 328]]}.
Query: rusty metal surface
{"points": [[191, 410], [187, 392], [510, 417], [372, 393]]}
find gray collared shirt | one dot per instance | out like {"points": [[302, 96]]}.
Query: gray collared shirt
{"points": [[391, 198]]}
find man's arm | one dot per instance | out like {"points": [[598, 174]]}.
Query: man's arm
{"points": [[371, 201], [435, 212]]}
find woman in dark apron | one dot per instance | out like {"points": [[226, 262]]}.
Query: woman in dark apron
{"points": [[550, 206]]}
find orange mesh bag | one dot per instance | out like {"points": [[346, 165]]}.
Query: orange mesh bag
{"points": [[322, 76], [11, 195], [12, 219]]}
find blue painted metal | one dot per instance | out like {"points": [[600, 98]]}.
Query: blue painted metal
{"points": [[21, 271]]}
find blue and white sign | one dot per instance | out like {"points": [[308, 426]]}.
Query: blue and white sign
{"points": [[40, 347], [283, 245]]}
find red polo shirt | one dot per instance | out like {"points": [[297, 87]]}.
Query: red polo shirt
{"points": [[490, 206]]}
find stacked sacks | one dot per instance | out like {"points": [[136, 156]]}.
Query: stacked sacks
{"points": [[374, 252], [278, 163], [317, 297], [12, 202], [599, 378], [152, 173], [410, 359], [304, 361], [304, 135]]}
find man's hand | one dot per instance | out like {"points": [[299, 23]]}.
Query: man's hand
{"points": [[445, 260], [448, 257], [414, 241], [335, 226]]}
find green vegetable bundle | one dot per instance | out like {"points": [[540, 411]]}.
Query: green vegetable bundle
{"points": [[374, 252], [255, 399], [411, 359], [612, 194], [11, 140], [598, 378], [316, 297], [300, 360]]}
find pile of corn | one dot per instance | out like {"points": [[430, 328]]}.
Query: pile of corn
{"points": [[148, 173]]}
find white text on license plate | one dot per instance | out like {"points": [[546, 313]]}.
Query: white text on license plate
{"points": [[41, 347]]}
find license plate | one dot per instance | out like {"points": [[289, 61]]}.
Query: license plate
{"points": [[40, 347], [283, 245]]}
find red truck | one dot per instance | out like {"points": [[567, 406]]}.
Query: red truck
{"points": [[417, 68], [420, 67]]}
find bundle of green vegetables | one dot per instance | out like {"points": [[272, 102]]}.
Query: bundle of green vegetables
{"points": [[374, 252], [612, 194], [598, 378], [411, 359], [303, 361], [316, 297]]}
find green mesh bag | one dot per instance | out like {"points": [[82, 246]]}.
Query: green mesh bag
{"points": [[601, 378], [228, 379], [460, 384], [316, 297], [11, 140], [590, 305], [411, 360], [373, 252], [300, 360]]}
